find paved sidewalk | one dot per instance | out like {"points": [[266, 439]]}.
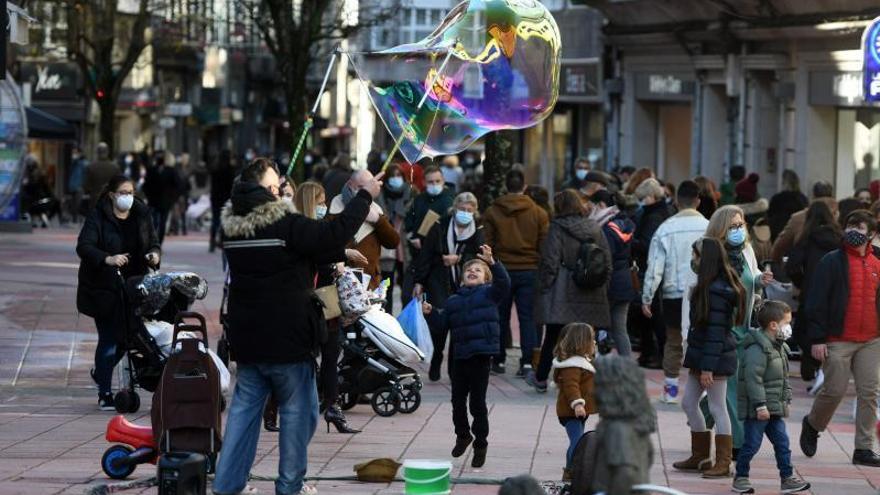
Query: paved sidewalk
{"points": [[51, 435]]}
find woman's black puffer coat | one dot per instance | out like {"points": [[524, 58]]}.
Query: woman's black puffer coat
{"points": [[712, 345]]}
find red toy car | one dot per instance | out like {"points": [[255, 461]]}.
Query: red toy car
{"points": [[134, 445]]}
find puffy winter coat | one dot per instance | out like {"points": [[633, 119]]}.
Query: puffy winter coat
{"points": [[515, 227], [619, 233], [712, 345], [102, 236], [669, 258], [805, 257], [574, 377], [763, 376], [273, 252], [471, 316], [559, 299], [827, 303]]}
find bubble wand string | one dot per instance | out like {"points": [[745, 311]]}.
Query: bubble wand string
{"points": [[412, 117], [310, 117]]}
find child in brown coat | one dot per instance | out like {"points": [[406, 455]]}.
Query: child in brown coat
{"points": [[573, 374]]}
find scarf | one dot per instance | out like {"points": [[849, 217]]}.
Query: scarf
{"points": [[248, 195], [455, 245], [736, 257]]}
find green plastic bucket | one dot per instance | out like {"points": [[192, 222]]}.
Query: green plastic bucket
{"points": [[427, 477]]}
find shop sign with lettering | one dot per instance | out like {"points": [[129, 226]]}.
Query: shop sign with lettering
{"points": [[871, 61]]}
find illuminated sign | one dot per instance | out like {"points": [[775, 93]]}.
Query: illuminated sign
{"points": [[871, 59]]}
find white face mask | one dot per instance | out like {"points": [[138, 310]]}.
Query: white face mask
{"points": [[124, 202], [784, 332], [320, 211], [287, 199]]}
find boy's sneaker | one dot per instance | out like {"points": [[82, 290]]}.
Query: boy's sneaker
{"points": [[524, 370], [670, 394], [497, 369], [479, 457], [741, 484], [540, 386], [105, 402], [793, 484]]}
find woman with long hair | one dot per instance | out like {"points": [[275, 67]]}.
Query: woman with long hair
{"points": [[728, 227], [718, 303], [117, 241], [311, 201]]}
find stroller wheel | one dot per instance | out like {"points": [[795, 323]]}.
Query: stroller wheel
{"points": [[385, 402], [110, 455], [410, 400], [347, 400], [135, 402], [123, 401]]}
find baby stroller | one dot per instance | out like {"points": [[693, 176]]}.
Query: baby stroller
{"points": [[151, 305], [375, 354]]}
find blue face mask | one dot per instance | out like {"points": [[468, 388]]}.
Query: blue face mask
{"points": [[320, 211], [434, 189], [580, 173], [395, 182], [347, 194], [464, 217], [736, 237]]}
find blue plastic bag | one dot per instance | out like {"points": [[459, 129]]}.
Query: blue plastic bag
{"points": [[416, 328]]}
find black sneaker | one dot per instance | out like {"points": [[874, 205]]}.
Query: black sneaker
{"points": [[105, 402], [461, 445], [865, 457], [498, 369], [810, 438], [479, 457]]}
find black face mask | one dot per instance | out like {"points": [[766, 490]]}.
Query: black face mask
{"points": [[855, 238]]}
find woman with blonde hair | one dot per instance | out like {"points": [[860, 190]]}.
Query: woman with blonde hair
{"points": [[728, 226]]}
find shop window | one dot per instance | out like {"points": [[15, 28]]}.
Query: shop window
{"points": [[858, 145]]}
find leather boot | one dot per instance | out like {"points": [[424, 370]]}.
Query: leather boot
{"points": [[700, 459], [723, 455]]}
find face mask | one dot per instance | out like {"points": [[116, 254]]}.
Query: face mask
{"points": [[434, 189], [395, 182], [320, 211], [580, 173], [464, 217], [736, 237], [855, 238], [784, 332], [347, 194], [124, 202]]}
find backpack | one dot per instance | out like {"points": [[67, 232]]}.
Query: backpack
{"points": [[591, 268]]}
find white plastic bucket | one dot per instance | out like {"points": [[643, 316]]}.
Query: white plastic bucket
{"points": [[426, 477]]}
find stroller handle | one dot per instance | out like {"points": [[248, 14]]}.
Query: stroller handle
{"points": [[181, 326]]}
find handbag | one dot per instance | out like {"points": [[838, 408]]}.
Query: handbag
{"points": [[329, 297]]}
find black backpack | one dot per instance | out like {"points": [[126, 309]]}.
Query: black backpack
{"points": [[591, 268]]}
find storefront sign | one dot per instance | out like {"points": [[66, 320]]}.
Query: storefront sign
{"points": [[834, 88], [671, 87], [51, 81], [178, 109], [871, 61], [581, 81]]}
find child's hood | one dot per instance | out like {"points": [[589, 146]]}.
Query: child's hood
{"points": [[574, 362]]}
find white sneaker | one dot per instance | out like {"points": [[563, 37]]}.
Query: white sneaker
{"points": [[308, 490], [670, 394]]}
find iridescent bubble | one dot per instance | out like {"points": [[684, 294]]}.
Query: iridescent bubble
{"points": [[503, 73]]}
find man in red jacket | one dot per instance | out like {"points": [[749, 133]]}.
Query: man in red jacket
{"points": [[842, 314]]}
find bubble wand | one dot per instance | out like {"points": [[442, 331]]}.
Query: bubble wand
{"points": [[310, 117], [412, 117]]}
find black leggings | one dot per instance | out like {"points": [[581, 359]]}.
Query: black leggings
{"points": [[470, 380], [328, 375]]}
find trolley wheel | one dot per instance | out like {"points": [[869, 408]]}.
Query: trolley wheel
{"points": [[347, 400], [123, 401], [410, 400], [223, 351], [385, 402], [110, 455], [135, 402]]}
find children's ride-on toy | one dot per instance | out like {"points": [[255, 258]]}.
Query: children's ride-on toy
{"points": [[134, 444]]}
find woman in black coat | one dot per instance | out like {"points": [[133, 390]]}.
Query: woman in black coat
{"points": [[821, 235], [450, 244], [117, 242]]}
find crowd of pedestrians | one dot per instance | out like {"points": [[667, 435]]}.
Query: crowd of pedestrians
{"points": [[671, 275]]}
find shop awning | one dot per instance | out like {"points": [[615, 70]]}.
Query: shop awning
{"points": [[44, 125]]}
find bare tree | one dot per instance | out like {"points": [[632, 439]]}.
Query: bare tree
{"points": [[105, 44], [300, 32]]}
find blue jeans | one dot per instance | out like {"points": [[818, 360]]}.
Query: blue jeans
{"points": [[574, 428], [297, 395], [522, 291], [107, 354], [754, 431]]}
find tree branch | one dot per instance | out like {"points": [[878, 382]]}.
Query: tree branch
{"points": [[135, 46]]}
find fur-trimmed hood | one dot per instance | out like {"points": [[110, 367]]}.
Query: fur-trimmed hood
{"points": [[574, 362], [261, 216], [755, 207]]}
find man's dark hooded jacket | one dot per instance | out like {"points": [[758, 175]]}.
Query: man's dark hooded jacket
{"points": [[273, 252]]}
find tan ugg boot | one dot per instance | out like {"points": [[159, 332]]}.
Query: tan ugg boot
{"points": [[700, 459], [723, 455]]}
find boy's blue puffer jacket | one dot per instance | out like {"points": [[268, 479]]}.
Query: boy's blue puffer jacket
{"points": [[471, 315]]}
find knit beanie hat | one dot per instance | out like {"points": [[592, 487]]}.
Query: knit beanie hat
{"points": [[747, 189]]}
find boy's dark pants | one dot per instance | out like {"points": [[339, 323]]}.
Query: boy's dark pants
{"points": [[754, 431], [470, 378]]}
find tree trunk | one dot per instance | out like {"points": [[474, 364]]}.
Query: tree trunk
{"points": [[107, 125], [499, 160]]}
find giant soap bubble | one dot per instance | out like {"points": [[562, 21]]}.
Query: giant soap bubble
{"points": [[502, 73]]}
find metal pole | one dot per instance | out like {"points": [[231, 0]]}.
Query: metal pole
{"points": [[309, 119]]}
